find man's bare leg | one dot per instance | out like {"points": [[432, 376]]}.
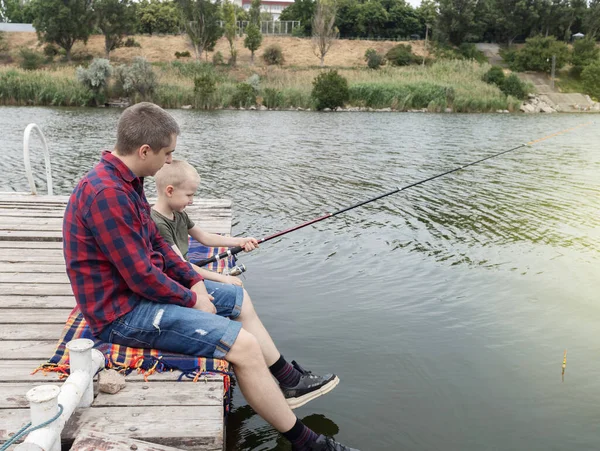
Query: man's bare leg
{"points": [[258, 386]]}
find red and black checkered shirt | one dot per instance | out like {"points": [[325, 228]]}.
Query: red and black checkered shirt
{"points": [[114, 253]]}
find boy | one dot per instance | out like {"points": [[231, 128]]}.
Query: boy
{"points": [[133, 289], [176, 184]]}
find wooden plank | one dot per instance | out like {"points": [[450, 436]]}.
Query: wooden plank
{"points": [[33, 316], [164, 394], [30, 245], [29, 235], [31, 267], [42, 278], [56, 289], [189, 427], [7, 252], [26, 331], [27, 349], [41, 302], [12, 394], [20, 371], [31, 258], [95, 441]]}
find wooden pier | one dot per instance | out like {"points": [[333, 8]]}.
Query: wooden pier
{"points": [[35, 301]]}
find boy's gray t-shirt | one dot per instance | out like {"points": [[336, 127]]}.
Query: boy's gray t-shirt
{"points": [[174, 231]]}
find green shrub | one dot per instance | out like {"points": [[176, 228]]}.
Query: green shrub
{"points": [[273, 55], [403, 96], [585, 52], [254, 81], [494, 76], [50, 50], [400, 55], [299, 32], [205, 87], [330, 90], [591, 80], [137, 78], [185, 54], [131, 42], [272, 98], [374, 59], [537, 54], [95, 78], [30, 59], [3, 43], [218, 59], [470, 52], [244, 96], [513, 86]]}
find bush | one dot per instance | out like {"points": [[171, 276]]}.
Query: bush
{"points": [[273, 55], [400, 55], [299, 32], [470, 52], [537, 54], [254, 81], [95, 78], [272, 98], [374, 59], [30, 59], [330, 90], [585, 52], [591, 79], [137, 78], [244, 96], [218, 59], [131, 42], [185, 54], [494, 76], [50, 50], [205, 87], [3, 43], [513, 86]]}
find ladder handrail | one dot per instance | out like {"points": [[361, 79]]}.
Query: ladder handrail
{"points": [[27, 160]]}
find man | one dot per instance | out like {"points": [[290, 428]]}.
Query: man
{"points": [[133, 289]]}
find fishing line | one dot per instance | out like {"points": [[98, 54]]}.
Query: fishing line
{"points": [[236, 250]]}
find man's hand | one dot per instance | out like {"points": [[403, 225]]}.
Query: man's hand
{"points": [[248, 243], [203, 299]]}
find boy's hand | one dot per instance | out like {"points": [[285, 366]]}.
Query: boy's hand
{"points": [[233, 280], [203, 299], [248, 243]]}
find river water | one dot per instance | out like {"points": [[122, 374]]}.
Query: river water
{"points": [[445, 309]]}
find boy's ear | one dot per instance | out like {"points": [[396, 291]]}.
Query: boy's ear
{"points": [[169, 190]]}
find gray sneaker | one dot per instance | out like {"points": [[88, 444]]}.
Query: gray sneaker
{"points": [[309, 387], [328, 444]]}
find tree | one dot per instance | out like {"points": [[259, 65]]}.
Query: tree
{"points": [[302, 10], [456, 19], [254, 12], [592, 19], [514, 18], [324, 32], [63, 22], [428, 12], [585, 52], [155, 16], [253, 40], [201, 24], [115, 20], [371, 19], [230, 29], [15, 11]]}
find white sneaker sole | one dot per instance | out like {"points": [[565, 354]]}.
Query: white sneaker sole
{"points": [[294, 403]]}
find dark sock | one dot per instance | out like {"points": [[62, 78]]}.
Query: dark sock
{"points": [[285, 373], [300, 436]]}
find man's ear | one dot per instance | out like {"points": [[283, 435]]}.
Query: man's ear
{"points": [[143, 151], [169, 190]]}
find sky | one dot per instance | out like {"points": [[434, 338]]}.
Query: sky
{"points": [[414, 2]]}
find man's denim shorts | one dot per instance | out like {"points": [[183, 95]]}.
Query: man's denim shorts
{"points": [[173, 328]]}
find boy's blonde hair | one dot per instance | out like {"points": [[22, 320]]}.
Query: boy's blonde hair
{"points": [[175, 174]]}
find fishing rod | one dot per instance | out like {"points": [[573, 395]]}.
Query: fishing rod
{"points": [[236, 250]]}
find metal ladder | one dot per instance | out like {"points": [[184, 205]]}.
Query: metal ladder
{"points": [[27, 160]]}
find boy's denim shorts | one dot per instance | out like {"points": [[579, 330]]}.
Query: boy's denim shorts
{"points": [[184, 330]]}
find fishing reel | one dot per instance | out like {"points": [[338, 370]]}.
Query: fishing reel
{"points": [[238, 269]]}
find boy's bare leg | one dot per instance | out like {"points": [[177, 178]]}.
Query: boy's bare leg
{"points": [[258, 386], [252, 323]]}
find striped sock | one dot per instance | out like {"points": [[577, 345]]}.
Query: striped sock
{"points": [[285, 373], [300, 436]]}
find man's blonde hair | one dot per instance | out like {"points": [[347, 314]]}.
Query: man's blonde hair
{"points": [[175, 174]]}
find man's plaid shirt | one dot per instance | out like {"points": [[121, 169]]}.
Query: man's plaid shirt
{"points": [[114, 253]]}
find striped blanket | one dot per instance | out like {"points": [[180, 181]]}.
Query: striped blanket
{"points": [[145, 361]]}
